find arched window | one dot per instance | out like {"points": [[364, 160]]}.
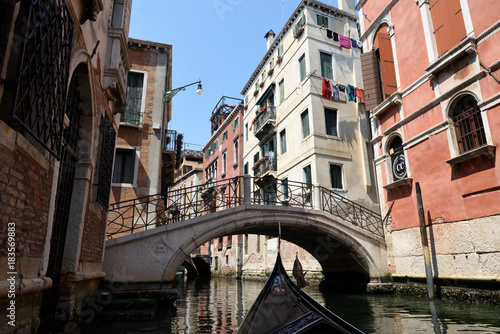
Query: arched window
{"points": [[398, 160], [385, 60], [469, 129]]}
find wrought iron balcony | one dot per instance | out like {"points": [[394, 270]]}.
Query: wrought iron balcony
{"points": [[265, 121], [131, 118], [265, 167], [170, 142]]}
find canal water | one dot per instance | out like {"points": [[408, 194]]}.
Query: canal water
{"points": [[218, 305]]}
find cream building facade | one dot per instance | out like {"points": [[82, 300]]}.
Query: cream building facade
{"points": [[292, 130]]}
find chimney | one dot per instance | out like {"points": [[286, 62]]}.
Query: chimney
{"points": [[347, 6], [269, 38]]}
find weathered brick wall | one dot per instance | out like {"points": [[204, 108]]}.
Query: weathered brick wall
{"points": [[93, 236], [25, 184]]}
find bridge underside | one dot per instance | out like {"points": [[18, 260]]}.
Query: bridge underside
{"points": [[342, 265]]}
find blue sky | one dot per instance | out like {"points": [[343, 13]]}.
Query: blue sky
{"points": [[220, 42]]}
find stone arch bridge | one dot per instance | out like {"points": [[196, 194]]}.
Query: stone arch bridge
{"points": [[149, 238]]}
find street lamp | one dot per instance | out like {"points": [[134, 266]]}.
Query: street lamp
{"points": [[167, 96]]}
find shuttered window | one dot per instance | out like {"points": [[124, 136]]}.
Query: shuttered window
{"points": [[302, 67], [326, 65], [448, 21], [371, 80], [383, 50]]}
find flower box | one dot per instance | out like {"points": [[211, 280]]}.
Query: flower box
{"points": [[279, 60], [256, 92]]}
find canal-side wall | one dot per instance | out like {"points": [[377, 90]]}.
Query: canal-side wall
{"points": [[461, 252]]}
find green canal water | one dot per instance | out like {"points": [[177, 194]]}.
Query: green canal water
{"points": [[218, 305]]}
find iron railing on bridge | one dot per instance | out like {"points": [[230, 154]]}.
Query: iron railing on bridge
{"points": [[181, 204]]}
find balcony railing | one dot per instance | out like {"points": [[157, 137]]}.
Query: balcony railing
{"points": [[264, 165], [182, 204], [131, 117], [170, 143], [265, 117]]}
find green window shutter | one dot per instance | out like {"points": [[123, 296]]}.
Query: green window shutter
{"points": [[302, 64], [280, 50], [326, 66]]}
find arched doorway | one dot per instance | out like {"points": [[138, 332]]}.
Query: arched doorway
{"points": [[77, 103]]}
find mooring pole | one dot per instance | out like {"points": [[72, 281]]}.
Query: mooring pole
{"points": [[425, 243]]}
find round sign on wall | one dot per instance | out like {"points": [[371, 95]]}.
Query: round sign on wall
{"points": [[399, 167]]}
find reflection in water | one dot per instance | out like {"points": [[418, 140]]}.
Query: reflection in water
{"points": [[219, 306]]}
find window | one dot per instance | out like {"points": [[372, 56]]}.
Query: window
{"points": [[224, 136], [246, 100], [308, 176], [271, 64], [235, 123], [280, 51], [263, 76], [448, 22], [117, 16], [124, 166], [302, 67], [469, 128], [299, 27], [331, 122], [284, 185], [135, 91], [211, 171], [322, 20], [257, 85], [326, 65], [283, 141], [245, 169], [336, 176], [398, 161], [256, 157], [236, 151], [281, 86], [377, 67], [246, 132], [304, 117], [224, 163]]}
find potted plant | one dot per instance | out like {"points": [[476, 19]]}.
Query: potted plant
{"points": [[279, 60]]}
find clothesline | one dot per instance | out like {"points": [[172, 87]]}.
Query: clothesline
{"points": [[344, 41], [331, 90]]}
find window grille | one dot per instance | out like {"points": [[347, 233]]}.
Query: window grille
{"points": [[43, 72], [106, 163], [468, 126]]}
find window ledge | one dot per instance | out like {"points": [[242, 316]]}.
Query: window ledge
{"points": [[487, 150], [400, 183], [235, 164], [395, 98], [132, 125], [467, 46]]}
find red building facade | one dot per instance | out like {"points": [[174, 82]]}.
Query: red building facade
{"points": [[431, 80]]}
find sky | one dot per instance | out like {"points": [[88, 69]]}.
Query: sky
{"points": [[219, 42]]}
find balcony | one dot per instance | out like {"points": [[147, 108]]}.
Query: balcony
{"points": [[265, 168], [265, 121], [170, 142], [131, 118]]}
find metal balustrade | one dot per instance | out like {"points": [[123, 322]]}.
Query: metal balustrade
{"points": [[182, 204]]}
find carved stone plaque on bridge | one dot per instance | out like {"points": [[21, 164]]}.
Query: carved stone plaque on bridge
{"points": [[159, 250]]}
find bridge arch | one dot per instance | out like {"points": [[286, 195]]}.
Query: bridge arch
{"points": [[345, 251], [341, 254]]}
